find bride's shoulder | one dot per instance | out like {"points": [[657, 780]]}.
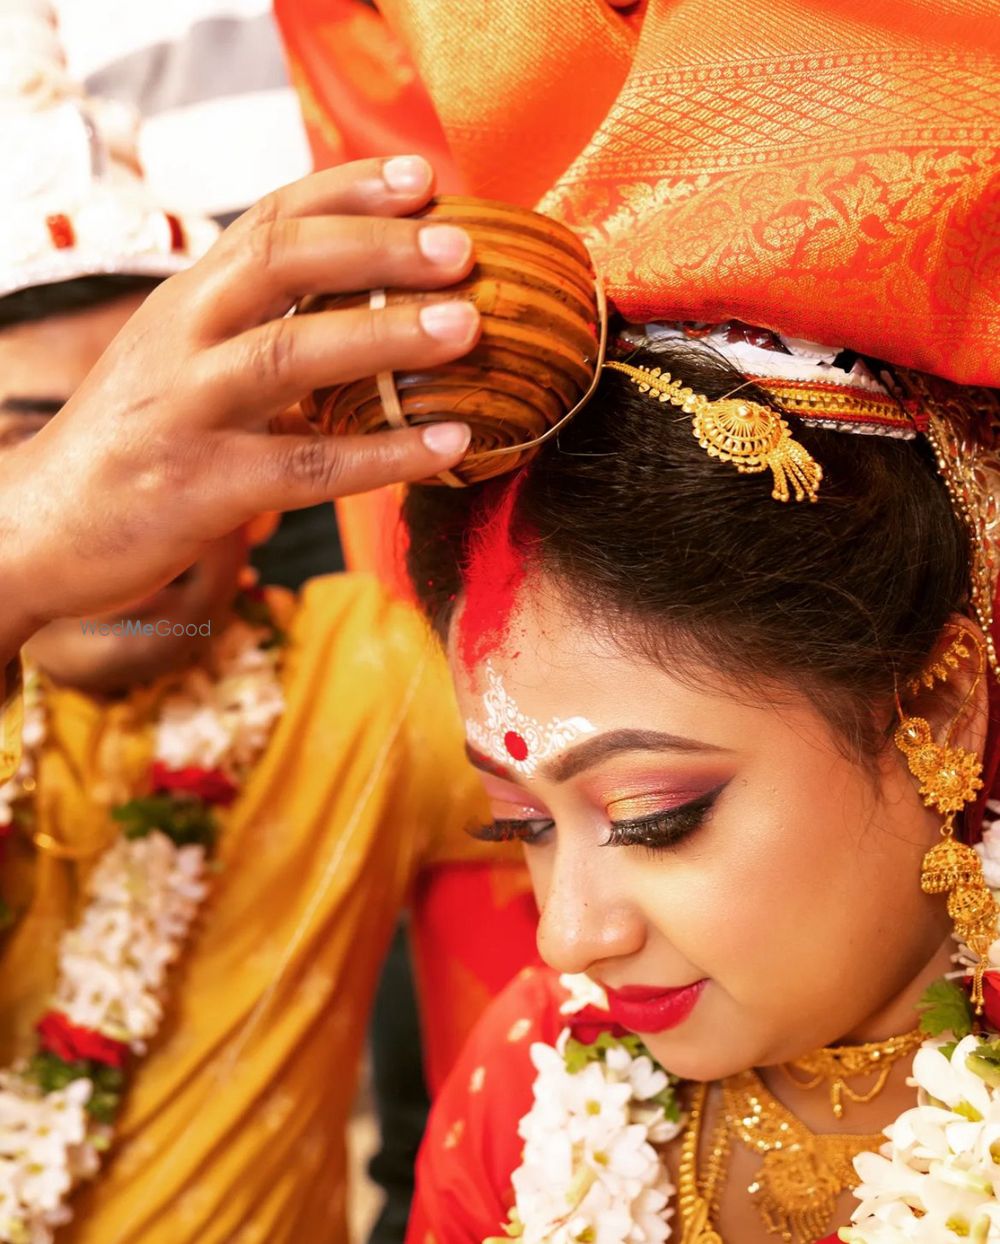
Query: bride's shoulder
{"points": [[529, 1008], [525, 1012]]}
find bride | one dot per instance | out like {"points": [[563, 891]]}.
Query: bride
{"points": [[729, 729], [735, 702]]}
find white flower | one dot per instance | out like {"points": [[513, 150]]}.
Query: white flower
{"points": [[988, 850], [44, 1143], [583, 992], [223, 718], [190, 734], [938, 1178], [589, 1169], [143, 894]]}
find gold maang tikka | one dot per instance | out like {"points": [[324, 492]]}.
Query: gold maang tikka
{"points": [[950, 777], [752, 437]]}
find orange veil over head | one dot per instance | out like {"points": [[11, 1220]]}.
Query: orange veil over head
{"points": [[826, 168]]}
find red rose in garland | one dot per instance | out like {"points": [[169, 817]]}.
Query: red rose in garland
{"points": [[587, 1025], [991, 999], [209, 785], [74, 1044]]}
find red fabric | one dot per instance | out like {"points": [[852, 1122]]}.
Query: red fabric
{"points": [[463, 1191], [359, 92], [473, 929]]}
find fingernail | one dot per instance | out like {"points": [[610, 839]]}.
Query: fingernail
{"points": [[444, 245], [406, 174], [447, 439], [448, 321]]}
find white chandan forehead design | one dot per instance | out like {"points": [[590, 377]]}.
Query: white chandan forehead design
{"points": [[512, 738]]}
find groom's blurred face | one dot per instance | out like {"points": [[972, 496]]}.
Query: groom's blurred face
{"points": [[41, 364]]}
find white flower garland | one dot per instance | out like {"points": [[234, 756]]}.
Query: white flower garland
{"points": [[938, 1178], [141, 900], [48, 1143], [590, 1173]]}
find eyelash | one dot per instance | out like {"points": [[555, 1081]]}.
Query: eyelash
{"points": [[511, 831], [654, 833]]}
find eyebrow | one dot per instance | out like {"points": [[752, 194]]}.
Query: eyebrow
{"points": [[31, 405], [588, 753]]}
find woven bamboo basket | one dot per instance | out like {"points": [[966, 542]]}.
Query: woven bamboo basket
{"points": [[536, 360]]}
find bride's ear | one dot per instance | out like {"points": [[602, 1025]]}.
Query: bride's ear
{"points": [[951, 693]]}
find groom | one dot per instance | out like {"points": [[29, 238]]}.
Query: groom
{"points": [[311, 745]]}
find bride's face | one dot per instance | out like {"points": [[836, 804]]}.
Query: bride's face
{"points": [[683, 837]]}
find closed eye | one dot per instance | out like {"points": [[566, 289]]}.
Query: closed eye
{"points": [[502, 830], [666, 829]]}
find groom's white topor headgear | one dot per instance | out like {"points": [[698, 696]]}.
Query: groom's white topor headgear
{"points": [[72, 197]]}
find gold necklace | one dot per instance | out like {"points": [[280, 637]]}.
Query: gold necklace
{"points": [[837, 1064], [796, 1188], [694, 1208]]}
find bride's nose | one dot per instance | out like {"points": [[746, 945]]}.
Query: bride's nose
{"points": [[585, 917]]}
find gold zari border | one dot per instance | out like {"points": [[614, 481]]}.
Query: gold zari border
{"points": [[805, 400]]}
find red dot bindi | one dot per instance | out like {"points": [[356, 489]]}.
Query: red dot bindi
{"points": [[515, 745]]}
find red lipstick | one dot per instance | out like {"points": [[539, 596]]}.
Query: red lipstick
{"points": [[649, 1008]]}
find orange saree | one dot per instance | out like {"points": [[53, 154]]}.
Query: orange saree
{"points": [[828, 169]]}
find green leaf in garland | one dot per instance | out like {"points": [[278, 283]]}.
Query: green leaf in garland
{"points": [[185, 821], [578, 1054], [984, 1061], [51, 1073], [945, 1007], [668, 1100], [7, 917]]}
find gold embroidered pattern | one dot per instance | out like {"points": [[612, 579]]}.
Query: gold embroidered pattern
{"points": [[833, 405]]}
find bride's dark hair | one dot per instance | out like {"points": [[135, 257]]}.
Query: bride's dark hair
{"points": [[676, 556]]}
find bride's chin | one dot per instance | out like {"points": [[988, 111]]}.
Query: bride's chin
{"points": [[699, 1056], [702, 1066]]}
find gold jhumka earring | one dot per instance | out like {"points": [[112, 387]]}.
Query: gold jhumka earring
{"points": [[950, 777]]}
